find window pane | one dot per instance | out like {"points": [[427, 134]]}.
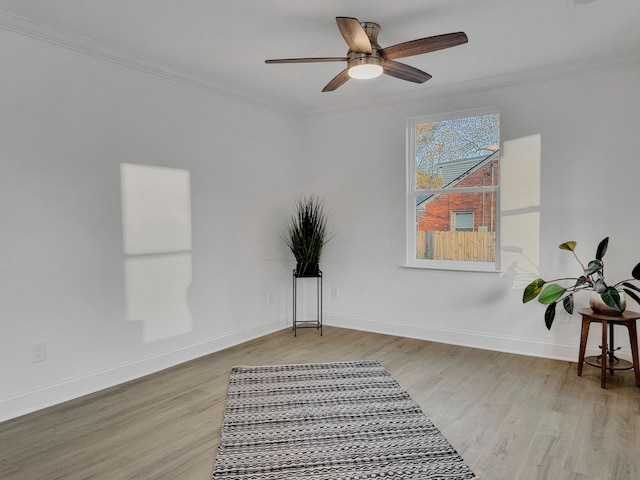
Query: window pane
{"points": [[436, 238], [463, 221], [457, 153]]}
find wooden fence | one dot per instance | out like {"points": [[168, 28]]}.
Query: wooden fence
{"points": [[462, 246]]}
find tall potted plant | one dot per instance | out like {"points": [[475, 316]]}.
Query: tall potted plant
{"points": [[550, 293], [306, 234]]}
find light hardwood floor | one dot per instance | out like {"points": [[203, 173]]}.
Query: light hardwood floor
{"points": [[511, 417]]}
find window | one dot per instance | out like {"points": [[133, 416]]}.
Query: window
{"points": [[453, 191], [462, 221]]}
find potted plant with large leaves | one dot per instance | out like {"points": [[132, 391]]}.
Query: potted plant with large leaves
{"points": [[550, 293], [306, 234]]}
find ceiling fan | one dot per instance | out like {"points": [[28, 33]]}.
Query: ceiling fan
{"points": [[366, 59]]}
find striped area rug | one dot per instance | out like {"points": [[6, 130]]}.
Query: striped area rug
{"points": [[329, 421]]}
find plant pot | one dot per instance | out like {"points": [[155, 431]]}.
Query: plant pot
{"points": [[306, 270], [597, 304]]}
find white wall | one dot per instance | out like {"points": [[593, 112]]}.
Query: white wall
{"points": [[68, 121], [582, 130]]}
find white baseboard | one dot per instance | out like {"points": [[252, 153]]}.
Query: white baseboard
{"points": [[37, 399], [507, 344], [30, 401]]}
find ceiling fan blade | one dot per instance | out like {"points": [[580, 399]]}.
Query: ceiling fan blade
{"points": [[354, 34], [337, 81], [405, 72], [425, 45], [308, 60]]}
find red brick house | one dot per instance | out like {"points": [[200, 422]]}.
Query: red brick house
{"points": [[464, 211]]}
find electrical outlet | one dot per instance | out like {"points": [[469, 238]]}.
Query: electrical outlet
{"points": [[564, 316], [335, 293], [270, 298], [38, 352]]}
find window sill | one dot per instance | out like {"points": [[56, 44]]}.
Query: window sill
{"points": [[451, 268]]}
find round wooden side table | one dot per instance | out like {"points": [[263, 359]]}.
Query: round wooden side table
{"points": [[607, 360]]}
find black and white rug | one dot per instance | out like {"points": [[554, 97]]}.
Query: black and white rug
{"points": [[329, 421]]}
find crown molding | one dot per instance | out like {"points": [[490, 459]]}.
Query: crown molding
{"points": [[78, 43], [65, 39], [557, 72]]}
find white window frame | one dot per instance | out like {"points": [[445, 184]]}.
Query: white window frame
{"points": [[454, 219], [413, 193]]}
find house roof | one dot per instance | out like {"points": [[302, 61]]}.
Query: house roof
{"points": [[455, 171]]}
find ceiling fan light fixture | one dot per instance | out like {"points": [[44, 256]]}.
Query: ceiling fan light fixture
{"points": [[366, 59], [365, 67]]}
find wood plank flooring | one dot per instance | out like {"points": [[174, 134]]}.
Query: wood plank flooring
{"points": [[511, 417]]}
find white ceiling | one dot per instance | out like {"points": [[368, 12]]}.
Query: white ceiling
{"points": [[222, 45]]}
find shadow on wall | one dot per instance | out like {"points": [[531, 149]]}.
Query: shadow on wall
{"points": [[156, 225]]}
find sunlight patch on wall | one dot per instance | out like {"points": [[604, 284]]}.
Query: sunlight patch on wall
{"points": [[520, 209], [156, 225], [156, 209]]}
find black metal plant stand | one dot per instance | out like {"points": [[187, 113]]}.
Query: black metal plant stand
{"points": [[317, 323]]}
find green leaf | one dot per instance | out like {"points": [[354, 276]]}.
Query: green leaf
{"points": [[567, 303], [549, 315], [600, 287], [551, 293], [636, 272], [593, 267], [631, 286], [602, 248], [568, 246], [581, 281], [632, 295], [611, 297], [532, 290]]}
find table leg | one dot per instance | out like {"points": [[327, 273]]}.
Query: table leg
{"points": [[603, 361], [633, 339], [583, 343]]}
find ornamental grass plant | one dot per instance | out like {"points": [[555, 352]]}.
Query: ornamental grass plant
{"points": [[306, 234]]}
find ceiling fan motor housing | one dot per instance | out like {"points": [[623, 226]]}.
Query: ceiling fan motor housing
{"points": [[371, 29], [356, 58], [374, 58]]}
